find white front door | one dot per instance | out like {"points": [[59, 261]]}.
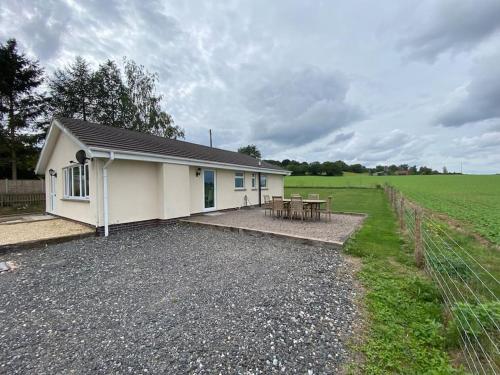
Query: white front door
{"points": [[209, 189], [52, 194]]}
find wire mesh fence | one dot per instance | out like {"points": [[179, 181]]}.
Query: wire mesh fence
{"points": [[468, 282]]}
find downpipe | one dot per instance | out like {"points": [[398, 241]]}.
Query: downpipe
{"points": [[105, 192]]}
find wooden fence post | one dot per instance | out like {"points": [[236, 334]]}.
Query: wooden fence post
{"points": [[419, 251], [402, 213]]}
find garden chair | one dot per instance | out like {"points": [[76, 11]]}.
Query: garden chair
{"points": [[312, 196], [328, 209], [295, 196], [268, 205], [297, 208], [278, 206]]}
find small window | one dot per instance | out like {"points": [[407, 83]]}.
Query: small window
{"points": [[239, 180], [76, 181], [263, 181], [254, 180]]}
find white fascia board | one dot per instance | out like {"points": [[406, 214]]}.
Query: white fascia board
{"points": [[50, 143], [139, 156]]}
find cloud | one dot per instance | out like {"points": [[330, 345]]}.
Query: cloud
{"points": [[479, 100], [451, 25], [342, 137], [297, 107]]}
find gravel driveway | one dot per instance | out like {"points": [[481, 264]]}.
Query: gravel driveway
{"points": [[176, 299]]}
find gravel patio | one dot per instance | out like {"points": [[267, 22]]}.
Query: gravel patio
{"points": [[177, 299], [336, 231]]}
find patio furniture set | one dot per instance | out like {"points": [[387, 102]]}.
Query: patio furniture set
{"points": [[297, 207]]}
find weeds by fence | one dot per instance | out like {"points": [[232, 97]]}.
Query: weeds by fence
{"points": [[467, 281]]}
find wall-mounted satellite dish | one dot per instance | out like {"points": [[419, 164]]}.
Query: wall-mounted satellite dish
{"points": [[81, 156]]}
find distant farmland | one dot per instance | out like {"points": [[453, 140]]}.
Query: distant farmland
{"points": [[473, 200]]}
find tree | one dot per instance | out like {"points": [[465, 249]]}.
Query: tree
{"points": [[110, 96], [315, 168], [125, 99], [251, 150], [72, 90], [332, 169], [22, 106], [445, 170], [143, 105]]}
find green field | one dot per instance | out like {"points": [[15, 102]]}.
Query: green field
{"points": [[405, 328], [473, 200]]}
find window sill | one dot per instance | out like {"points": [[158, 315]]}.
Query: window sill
{"points": [[239, 189], [74, 199]]}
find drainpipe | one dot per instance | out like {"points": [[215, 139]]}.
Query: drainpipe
{"points": [[105, 193], [260, 193]]}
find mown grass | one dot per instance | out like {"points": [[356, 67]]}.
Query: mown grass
{"points": [[405, 330], [473, 200]]}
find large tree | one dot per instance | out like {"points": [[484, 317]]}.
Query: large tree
{"points": [[251, 150], [72, 90], [22, 105], [125, 98]]}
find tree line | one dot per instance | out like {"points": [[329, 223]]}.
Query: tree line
{"points": [[337, 168], [122, 95]]}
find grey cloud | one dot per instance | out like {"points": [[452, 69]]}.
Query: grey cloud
{"points": [[297, 107], [481, 99], [452, 25], [342, 137], [39, 25]]}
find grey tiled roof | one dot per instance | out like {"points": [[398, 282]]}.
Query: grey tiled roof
{"points": [[107, 137]]}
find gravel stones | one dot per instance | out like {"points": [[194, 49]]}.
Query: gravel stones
{"points": [[176, 299]]}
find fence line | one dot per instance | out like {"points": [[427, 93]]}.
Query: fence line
{"points": [[470, 291], [21, 186], [16, 200]]}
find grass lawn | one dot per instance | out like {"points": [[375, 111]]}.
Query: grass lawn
{"points": [[405, 333], [473, 200]]}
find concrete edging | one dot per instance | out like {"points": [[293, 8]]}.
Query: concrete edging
{"points": [[308, 241], [7, 248]]}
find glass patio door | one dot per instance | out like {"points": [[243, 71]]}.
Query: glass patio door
{"points": [[209, 189]]}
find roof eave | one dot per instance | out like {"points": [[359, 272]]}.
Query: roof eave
{"points": [[50, 143], [141, 156]]}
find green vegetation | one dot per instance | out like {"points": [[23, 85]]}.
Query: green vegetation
{"points": [[472, 200], [405, 333]]}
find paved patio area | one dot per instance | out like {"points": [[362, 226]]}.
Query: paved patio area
{"points": [[178, 299], [31, 229], [334, 232]]}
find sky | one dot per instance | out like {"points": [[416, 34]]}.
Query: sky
{"points": [[371, 82]]}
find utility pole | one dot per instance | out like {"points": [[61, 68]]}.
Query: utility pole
{"points": [[210, 132]]}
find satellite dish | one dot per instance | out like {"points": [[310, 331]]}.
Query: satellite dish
{"points": [[81, 156]]}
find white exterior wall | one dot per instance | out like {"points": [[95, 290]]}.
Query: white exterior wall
{"points": [[146, 190], [174, 190], [133, 191], [84, 211]]}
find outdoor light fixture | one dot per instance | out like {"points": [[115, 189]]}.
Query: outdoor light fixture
{"points": [[198, 172], [52, 172]]}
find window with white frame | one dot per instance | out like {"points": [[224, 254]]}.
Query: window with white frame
{"points": [[239, 180], [254, 180], [263, 181], [76, 181]]}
